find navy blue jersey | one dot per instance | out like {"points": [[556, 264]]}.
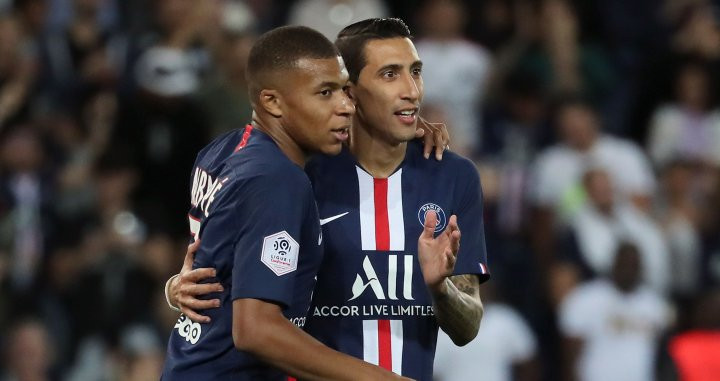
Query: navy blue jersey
{"points": [[255, 214], [371, 301]]}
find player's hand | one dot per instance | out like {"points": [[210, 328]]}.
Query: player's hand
{"points": [[184, 289], [435, 135], [437, 255]]}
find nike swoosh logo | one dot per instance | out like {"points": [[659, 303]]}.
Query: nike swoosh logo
{"points": [[323, 221]]}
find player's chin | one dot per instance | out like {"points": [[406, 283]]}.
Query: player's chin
{"points": [[405, 133], [331, 149]]}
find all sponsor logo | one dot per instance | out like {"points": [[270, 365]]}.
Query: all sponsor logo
{"points": [[370, 280]]}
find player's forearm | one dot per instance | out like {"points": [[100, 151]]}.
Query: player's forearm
{"points": [[280, 343], [458, 309]]}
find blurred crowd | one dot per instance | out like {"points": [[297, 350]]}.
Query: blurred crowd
{"points": [[595, 126]]}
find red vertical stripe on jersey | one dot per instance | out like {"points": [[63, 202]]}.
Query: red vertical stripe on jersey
{"points": [[290, 378], [382, 225], [245, 137], [384, 345]]}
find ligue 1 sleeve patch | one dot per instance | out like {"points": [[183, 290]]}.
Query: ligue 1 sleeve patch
{"points": [[280, 253]]}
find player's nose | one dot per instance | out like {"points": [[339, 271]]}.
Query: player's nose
{"points": [[345, 106], [410, 89]]}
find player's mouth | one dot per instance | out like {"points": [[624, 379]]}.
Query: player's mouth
{"points": [[407, 116], [341, 134]]}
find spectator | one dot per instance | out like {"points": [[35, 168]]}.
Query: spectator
{"points": [[17, 71], [689, 128], [559, 169], [29, 353], [25, 189], [547, 45], [224, 93], [81, 59], [515, 131], [610, 325], [602, 225], [454, 71], [330, 16], [556, 191], [681, 219]]}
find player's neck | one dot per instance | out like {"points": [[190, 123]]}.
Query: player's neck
{"points": [[280, 136], [374, 153]]}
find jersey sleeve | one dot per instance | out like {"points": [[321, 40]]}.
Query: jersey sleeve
{"points": [[472, 257], [269, 214]]}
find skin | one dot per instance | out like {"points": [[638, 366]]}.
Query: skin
{"points": [[390, 82], [625, 276], [308, 109]]}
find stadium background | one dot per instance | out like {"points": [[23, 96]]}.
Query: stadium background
{"points": [[104, 104]]}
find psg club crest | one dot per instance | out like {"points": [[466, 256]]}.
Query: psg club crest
{"points": [[280, 253], [442, 220]]}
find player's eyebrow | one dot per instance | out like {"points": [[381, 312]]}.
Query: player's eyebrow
{"points": [[399, 67], [331, 85], [393, 67]]}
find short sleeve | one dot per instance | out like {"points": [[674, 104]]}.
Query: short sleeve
{"points": [[541, 190], [472, 257], [574, 314], [269, 213], [521, 342], [638, 171]]}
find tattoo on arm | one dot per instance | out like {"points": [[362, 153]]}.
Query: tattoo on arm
{"points": [[466, 283], [459, 311]]}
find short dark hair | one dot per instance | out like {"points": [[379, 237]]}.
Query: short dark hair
{"points": [[351, 41], [280, 49]]}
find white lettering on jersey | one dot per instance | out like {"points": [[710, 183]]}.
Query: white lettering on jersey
{"points": [[359, 286], [280, 253], [204, 189], [188, 329]]}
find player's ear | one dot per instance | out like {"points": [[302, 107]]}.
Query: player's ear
{"points": [[270, 102]]}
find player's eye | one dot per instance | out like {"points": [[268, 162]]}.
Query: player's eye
{"points": [[417, 71], [325, 92], [389, 74]]}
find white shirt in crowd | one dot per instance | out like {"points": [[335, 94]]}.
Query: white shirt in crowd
{"points": [[677, 133], [330, 16], [503, 340], [619, 330], [598, 237], [454, 75], [559, 169]]}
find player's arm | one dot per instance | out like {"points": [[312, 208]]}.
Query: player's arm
{"points": [[456, 299], [458, 308], [260, 328], [453, 280]]}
